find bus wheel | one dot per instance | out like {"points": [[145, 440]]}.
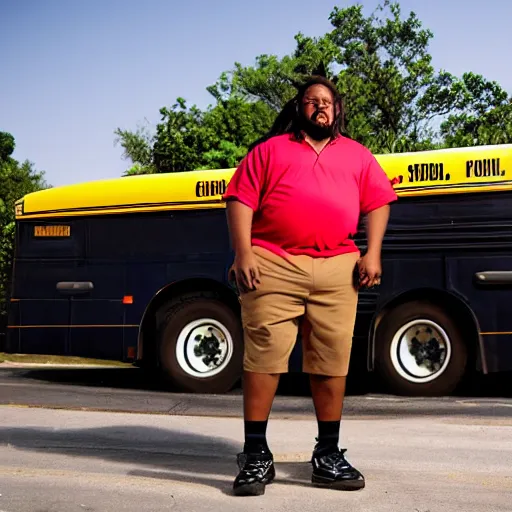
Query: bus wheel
{"points": [[201, 346], [420, 351]]}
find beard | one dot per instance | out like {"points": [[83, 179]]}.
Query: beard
{"points": [[314, 129]]}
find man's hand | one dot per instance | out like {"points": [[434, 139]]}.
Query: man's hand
{"points": [[370, 270], [370, 267], [245, 271]]}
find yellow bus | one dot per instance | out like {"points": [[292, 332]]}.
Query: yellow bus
{"points": [[136, 269]]}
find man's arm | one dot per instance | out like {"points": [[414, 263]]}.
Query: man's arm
{"points": [[242, 200], [239, 217], [370, 266], [376, 225], [376, 193]]}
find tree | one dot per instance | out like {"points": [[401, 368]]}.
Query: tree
{"points": [[138, 147], [7, 146], [236, 122], [395, 100], [181, 138], [16, 180], [381, 67], [188, 138], [480, 113]]}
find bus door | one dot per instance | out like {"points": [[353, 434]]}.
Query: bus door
{"points": [[97, 295], [485, 281], [46, 254], [96, 323]]}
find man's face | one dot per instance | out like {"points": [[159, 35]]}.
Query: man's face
{"points": [[318, 105]]}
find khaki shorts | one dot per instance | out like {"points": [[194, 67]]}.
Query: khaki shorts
{"points": [[321, 289]]}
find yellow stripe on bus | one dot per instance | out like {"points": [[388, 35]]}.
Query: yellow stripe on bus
{"points": [[446, 171]]}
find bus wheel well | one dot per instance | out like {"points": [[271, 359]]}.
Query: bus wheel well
{"points": [[199, 287], [452, 303]]}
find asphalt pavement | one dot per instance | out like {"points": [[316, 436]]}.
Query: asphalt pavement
{"points": [[97, 439], [133, 391], [65, 461]]}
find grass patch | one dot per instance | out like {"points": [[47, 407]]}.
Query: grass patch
{"points": [[69, 360]]}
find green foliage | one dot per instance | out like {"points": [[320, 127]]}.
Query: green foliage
{"points": [[181, 138], [385, 71], [188, 138], [481, 113], [16, 180], [137, 147], [395, 100], [7, 146]]}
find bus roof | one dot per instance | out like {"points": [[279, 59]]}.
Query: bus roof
{"points": [[446, 171]]}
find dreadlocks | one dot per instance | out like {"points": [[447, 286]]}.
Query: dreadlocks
{"points": [[291, 118]]}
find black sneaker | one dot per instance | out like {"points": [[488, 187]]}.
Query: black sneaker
{"points": [[332, 470], [256, 470]]}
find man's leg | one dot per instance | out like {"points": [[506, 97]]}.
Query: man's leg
{"points": [[328, 394], [331, 312], [269, 317], [259, 392]]}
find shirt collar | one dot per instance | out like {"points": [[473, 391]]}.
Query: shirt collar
{"points": [[337, 138]]}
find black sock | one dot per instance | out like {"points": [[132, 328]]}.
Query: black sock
{"points": [[328, 434], [255, 436]]}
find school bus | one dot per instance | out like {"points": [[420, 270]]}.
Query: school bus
{"points": [[136, 269]]}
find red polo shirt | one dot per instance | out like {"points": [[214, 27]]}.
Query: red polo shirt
{"points": [[309, 203]]}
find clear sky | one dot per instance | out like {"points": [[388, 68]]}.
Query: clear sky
{"points": [[72, 71]]}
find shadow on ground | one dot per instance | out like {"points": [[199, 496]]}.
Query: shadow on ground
{"points": [[293, 384], [167, 454]]}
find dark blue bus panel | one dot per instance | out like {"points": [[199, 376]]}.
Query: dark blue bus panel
{"points": [[153, 287]]}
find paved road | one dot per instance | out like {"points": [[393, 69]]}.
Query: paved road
{"points": [[128, 390], [66, 461], [108, 440]]}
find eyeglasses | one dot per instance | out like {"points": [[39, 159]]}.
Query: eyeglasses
{"points": [[316, 103]]}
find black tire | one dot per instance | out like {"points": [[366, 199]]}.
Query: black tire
{"points": [[447, 380], [177, 316]]}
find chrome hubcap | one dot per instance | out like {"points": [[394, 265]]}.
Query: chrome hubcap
{"points": [[204, 348], [420, 351]]}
